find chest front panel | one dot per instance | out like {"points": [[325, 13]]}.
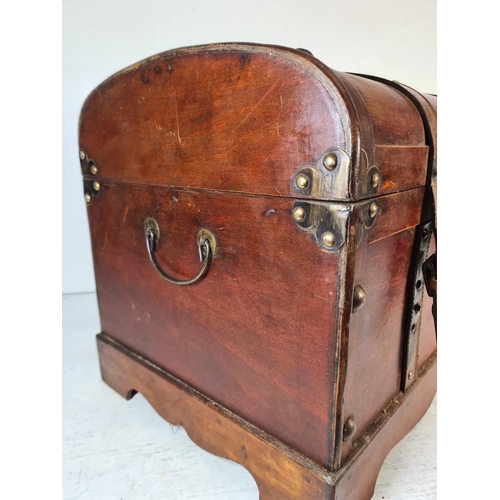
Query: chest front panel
{"points": [[256, 334]]}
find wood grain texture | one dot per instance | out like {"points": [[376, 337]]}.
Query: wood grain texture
{"points": [[357, 478], [396, 213], [256, 334], [394, 119], [112, 449], [389, 159], [115, 449], [426, 106], [372, 340], [212, 138], [231, 118], [388, 124], [374, 352], [245, 118], [280, 472]]}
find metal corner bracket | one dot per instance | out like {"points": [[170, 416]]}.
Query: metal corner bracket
{"points": [[325, 222], [327, 178], [91, 186]]}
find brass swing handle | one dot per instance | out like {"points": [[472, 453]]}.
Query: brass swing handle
{"points": [[205, 240]]}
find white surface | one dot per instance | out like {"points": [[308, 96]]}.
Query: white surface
{"points": [[115, 449], [395, 39]]}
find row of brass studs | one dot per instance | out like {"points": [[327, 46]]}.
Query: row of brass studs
{"points": [[358, 301], [93, 170]]}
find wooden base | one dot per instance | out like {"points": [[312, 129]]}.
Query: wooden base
{"points": [[280, 472]]}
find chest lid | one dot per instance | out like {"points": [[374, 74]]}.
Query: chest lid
{"points": [[253, 119]]}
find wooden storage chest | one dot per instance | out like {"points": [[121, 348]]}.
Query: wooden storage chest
{"points": [[302, 345]]}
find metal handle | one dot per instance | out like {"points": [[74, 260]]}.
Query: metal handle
{"points": [[152, 233]]}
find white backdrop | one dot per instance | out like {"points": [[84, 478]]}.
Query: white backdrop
{"points": [[395, 39]]}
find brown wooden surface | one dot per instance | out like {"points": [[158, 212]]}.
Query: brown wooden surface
{"points": [[245, 118], [256, 334], [357, 478], [374, 352], [280, 472], [212, 137], [394, 118], [389, 126], [395, 213], [229, 119], [388, 160]]}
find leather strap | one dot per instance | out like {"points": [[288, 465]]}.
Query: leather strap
{"points": [[426, 106]]}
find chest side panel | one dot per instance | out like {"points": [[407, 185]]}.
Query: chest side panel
{"points": [[256, 334]]}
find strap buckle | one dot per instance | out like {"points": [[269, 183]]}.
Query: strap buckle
{"points": [[430, 275], [429, 269]]}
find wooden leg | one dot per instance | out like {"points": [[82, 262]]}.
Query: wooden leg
{"points": [[280, 472], [357, 477]]}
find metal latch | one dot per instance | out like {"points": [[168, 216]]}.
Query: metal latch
{"points": [[429, 270]]}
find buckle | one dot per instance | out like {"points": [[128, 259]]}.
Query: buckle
{"points": [[429, 269]]}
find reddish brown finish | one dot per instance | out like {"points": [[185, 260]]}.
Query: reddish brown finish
{"points": [[256, 334], [375, 341], [242, 118], [388, 125], [358, 476], [395, 120], [227, 119], [395, 213], [388, 160], [212, 138], [279, 471]]}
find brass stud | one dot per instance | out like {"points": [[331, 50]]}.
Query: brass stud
{"points": [[330, 161], [88, 198], [302, 181], [349, 428], [299, 213], [410, 375], [375, 180], [82, 154], [96, 186], [358, 299], [373, 210], [328, 239], [93, 169]]}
